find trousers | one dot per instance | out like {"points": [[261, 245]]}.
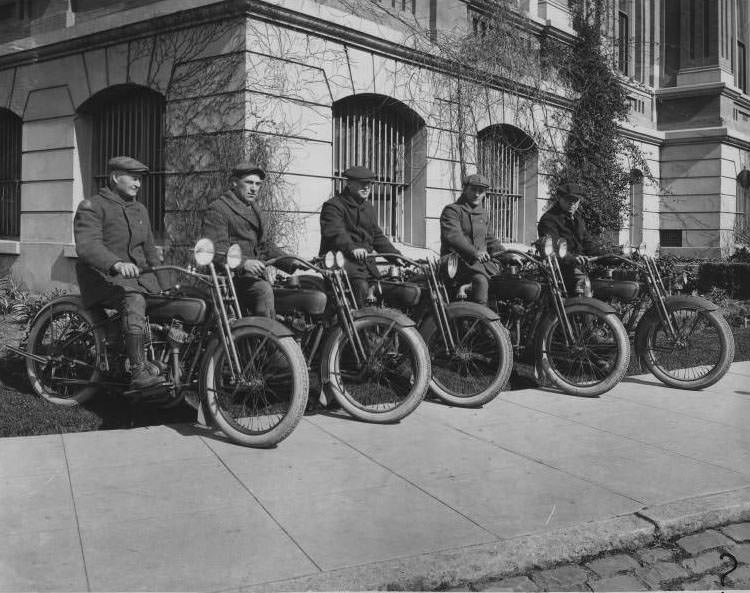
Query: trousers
{"points": [[255, 296]]}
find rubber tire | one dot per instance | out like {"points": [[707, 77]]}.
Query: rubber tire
{"points": [[35, 332], [651, 322], [504, 344], [298, 396], [549, 323], [330, 360]]}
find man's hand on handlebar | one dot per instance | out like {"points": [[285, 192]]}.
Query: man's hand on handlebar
{"points": [[359, 254], [483, 256], [254, 267], [582, 259], [126, 269]]}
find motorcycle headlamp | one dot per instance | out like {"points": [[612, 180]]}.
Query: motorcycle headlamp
{"points": [[449, 265], [339, 259], [203, 252], [627, 250], [562, 248], [329, 261], [234, 256], [547, 246]]}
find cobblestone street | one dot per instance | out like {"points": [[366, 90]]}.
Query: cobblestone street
{"points": [[688, 563]]}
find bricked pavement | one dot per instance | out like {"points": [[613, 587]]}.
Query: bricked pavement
{"points": [[688, 563]]}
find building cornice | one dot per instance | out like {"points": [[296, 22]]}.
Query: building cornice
{"points": [[275, 15], [716, 135]]}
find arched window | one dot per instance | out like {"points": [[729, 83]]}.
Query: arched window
{"points": [[384, 135], [742, 218], [129, 120], [502, 155], [10, 175]]}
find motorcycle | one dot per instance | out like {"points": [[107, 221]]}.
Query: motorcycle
{"points": [[371, 361], [683, 340], [577, 342], [471, 352], [248, 373]]}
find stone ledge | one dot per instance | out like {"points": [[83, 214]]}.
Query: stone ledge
{"points": [[8, 247]]}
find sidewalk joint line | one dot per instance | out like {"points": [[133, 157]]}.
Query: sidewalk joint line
{"points": [[408, 481], [75, 513], [251, 493]]}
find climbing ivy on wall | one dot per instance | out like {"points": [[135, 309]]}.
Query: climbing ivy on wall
{"points": [[595, 154]]}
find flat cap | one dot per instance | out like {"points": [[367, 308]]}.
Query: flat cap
{"points": [[359, 173], [476, 179], [247, 168], [570, 191], [127, 164]]}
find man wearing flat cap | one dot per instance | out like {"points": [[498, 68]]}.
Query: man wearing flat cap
{"points": [[236, 217], [114, 242], [349, 223], [465, 230], [562, 221]]}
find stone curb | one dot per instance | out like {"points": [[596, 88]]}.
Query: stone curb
{"points": [[504, 558]]}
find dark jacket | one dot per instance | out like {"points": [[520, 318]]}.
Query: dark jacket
{"points": [[465, 229], [109, 229], [557, 223], [229, 219], [348, 223]]}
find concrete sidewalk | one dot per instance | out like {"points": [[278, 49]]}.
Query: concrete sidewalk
{"points": [[447, 496]]}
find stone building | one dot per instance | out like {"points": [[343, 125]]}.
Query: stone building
{"points": [[313, 86]]}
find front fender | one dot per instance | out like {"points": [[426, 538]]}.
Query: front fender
{"points": [[392, 314], [270, 325], [460, 307], [686, 301], [595, 303]]}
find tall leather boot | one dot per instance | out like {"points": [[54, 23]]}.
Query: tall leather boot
{"points": [[140, 375]]}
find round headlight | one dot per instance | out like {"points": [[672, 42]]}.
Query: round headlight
{"points": [[330, 260], [548, 247], [562, 248], [449, 264], [627, 250], [203, 252], [340, 259], [234, 256]]}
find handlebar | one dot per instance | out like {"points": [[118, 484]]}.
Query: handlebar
{"points": [[307, 264]]}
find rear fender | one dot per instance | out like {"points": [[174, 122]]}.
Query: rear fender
{"points": [[95, 315], [392, 314]]}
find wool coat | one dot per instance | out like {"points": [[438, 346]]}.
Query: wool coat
{"points": [[465, 230], [348, 223], [230, 219], [110, 229], [558, 224]]}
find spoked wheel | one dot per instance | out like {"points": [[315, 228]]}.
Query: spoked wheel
{"points": [[392, 379], [64, 345], [597, 359], [262, 405], [475, 371], [698, 356]]}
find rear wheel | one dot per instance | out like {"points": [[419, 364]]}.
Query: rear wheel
{"points": [[64, 343], [392, 380], [700, 354], [264, 404], [597, 359], [476, 370]]}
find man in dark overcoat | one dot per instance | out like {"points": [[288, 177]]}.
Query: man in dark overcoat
{"points": [[235, 217], [114, 242], [562, 221], [465, 230], [349, 223]]}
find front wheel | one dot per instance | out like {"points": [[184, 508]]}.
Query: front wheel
{"points": [[262, 405], [595, 361], [64, 345], [389, 383], [478, 367], [697, 356]]}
